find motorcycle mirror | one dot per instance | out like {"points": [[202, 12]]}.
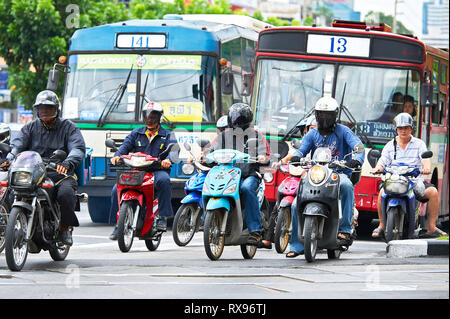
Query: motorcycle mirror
{"points": [[5, 148], [296, 144], [170, 149], [59, 155], [187, 146], [276, 157], [427, 154], [111, 144], [203, 143], [373, 157], [359, 148]]}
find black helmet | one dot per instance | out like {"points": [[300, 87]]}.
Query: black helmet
{"points": [[48, 98], [240, 115]]}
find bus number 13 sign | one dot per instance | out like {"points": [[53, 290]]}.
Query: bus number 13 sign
{"points": [[338, 45]]}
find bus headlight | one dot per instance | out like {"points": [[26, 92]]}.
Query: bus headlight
{"points": [[187, 169], [317, 174]]}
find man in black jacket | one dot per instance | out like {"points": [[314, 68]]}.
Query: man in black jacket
{"points": [[236, 137], [46, 134]]}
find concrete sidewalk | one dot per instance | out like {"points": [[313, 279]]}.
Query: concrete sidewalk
{"points": [[417, 248]]}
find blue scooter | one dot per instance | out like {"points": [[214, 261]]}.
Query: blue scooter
{"points": [[188, 217], [398, 203], [225, 218]]}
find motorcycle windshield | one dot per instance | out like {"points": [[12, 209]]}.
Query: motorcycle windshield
{"points": [[322, 155], [26, 160]]}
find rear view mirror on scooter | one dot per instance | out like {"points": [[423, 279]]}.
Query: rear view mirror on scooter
{"points": [[359, 148], [5, 148], [427, 154], [187, 146], [111, 144], [172, 147], [296, 144], [203, 143], [59, 155], [373, 157]]}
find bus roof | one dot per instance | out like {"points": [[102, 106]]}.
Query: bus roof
{"points": [[199, 33]]}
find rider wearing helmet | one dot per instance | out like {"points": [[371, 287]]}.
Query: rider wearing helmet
{"points": [[46, 134], [341, 141], [150, 139], [407, 149], [235, 137]]}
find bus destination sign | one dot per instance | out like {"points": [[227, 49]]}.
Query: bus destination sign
{"points": [[338, 45], [141, 41]]}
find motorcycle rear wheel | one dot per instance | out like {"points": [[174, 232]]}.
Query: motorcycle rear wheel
{"points": [[59, 253], [282, 234], [248, 251], [184, 227], [311, 234], [16, 247], [213, 240], [4, 212], [125, 232]]}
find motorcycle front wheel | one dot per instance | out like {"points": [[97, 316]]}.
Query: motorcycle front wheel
{"points": [[311, 234], [282, 234], [153, 243], [184, 225], [16, 247], [213, 240], [394, 224], [125, 232]]}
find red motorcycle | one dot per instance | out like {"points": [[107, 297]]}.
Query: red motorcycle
{"points": [[138, 206], [285, 197]]}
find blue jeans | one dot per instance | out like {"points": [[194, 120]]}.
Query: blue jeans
{"points": [[345, 226], [163, 192], [249, 187]]}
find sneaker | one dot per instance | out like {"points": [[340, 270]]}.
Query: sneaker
{"points": [[113, 235], [161, 223]]}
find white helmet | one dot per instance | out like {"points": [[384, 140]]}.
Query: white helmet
{"points": [[326, 103], [403, 120], [151, 107]]}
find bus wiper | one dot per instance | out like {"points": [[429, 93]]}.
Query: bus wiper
{"points": [[118, 95], [344, 109], [289, 70], [295, 128]]}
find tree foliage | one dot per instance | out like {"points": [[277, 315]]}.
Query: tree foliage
{"points": [[380, 17]]}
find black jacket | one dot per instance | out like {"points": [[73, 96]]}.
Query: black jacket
{"points": [[63, 135]]}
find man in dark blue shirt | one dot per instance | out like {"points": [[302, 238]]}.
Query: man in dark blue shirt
{"points": [[150, 139]]}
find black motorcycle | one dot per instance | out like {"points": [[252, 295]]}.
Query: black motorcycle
{"points": [[34, 220], [319, 203]]}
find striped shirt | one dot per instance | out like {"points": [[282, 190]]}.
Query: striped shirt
{"points": [[409, 156]]}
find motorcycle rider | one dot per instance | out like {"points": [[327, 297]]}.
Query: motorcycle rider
{"points": [[407, 149], [47, 133], [150, 139], [341, 141], [235, 137]]}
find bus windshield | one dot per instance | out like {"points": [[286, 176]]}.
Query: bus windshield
{"points": [[371, 95], [182, 84]]}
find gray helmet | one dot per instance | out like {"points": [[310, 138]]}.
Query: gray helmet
{"points": [[47, 97], [403, 120]]}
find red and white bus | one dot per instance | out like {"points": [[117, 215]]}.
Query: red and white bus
{"points": [[371, 72]]}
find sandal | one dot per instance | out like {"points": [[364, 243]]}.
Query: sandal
{"points": [[344, 239], [436, 234], [293, 254], [378, 233], [254, 238]]}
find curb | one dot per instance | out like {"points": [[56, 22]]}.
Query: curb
{"points": [[417, 248]]}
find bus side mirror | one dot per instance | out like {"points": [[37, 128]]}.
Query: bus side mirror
{"points": [[246, 83], [426, 94], [53, 80], [227, 83], [111, 144]]}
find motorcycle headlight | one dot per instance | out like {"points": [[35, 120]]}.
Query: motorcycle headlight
{"points": [[268, 177], [187, 169], [317, 174], [230, 189], [223, 157], [22, 179]]}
